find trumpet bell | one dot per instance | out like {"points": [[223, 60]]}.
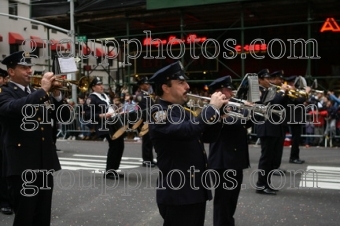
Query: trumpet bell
{"points": [[83, 84]]}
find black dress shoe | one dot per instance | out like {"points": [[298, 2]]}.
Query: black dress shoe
{"points": [[149, 164], [296, 161], [275, 190], [279, 172], [113, 176], [7, 210], [266, 191]]}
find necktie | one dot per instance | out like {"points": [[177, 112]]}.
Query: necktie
{"points": [[103, 96], [27, 90]]}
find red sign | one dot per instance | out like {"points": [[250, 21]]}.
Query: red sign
{"points": [[174, 41], [253, 48], [330, 25]]}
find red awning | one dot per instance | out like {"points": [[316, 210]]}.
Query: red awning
{"points": [[100, 52], [55, 45], [15, 38], [112, 54], [0, 38], [36, 42], [86, 50]]}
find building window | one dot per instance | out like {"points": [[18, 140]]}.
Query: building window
{"points": [[54, 31], [34, 26], [13, 9], [13, 48]]}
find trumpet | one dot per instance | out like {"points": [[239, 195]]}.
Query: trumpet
{"points": [[315, 91], [82, 83], [238, 106], [264, 111], [292, 92]]}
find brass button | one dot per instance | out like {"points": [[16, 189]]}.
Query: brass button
{"points": [[43, 138], [193, 175], [235, 149], [19, 145], [39, 119], [42, 128]]}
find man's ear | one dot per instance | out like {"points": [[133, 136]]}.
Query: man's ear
{"points": [[165, 88], [10, 71]]}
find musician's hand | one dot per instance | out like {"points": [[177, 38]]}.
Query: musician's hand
{"points": [[249, 103], [106, 115], [46, 81], [285, 87], [307, 89], [218, 99]]}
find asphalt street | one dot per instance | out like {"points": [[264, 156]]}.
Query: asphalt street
{"points": [[309, 195]]}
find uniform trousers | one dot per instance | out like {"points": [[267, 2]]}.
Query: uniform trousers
{"points": [[296, 138], [279, 153], [32, 210], [115, 152], [226, 196], [4, 194], [183, 215], [269, 146], [147, 146]]}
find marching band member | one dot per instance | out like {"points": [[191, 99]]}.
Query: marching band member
{"points": [[144, 103], [5, 205], [277, 78], [270, 135], [103, 112], [297, 122], [228, 155], [29, 151], [178, 142]]}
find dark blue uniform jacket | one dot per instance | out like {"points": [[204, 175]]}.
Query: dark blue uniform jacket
{"points": [[179, 146], [28, 143]]}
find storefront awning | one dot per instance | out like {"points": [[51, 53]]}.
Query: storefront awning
{"points": [[55, 45], [100, 52], [36, 42], [86, 50], [15, 38]]}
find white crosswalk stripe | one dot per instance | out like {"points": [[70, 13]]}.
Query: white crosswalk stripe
{"points": [[324, 177], [96, 163]]}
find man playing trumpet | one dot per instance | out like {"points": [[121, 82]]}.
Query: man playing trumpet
{"points": [[29, 150], [228, 155], [178, 142], [270, 134]]}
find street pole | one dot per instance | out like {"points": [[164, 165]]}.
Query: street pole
{"points": [[72, 33]]}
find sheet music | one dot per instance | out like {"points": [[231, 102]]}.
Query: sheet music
{"points": [[253, 91], [67, 65]]}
